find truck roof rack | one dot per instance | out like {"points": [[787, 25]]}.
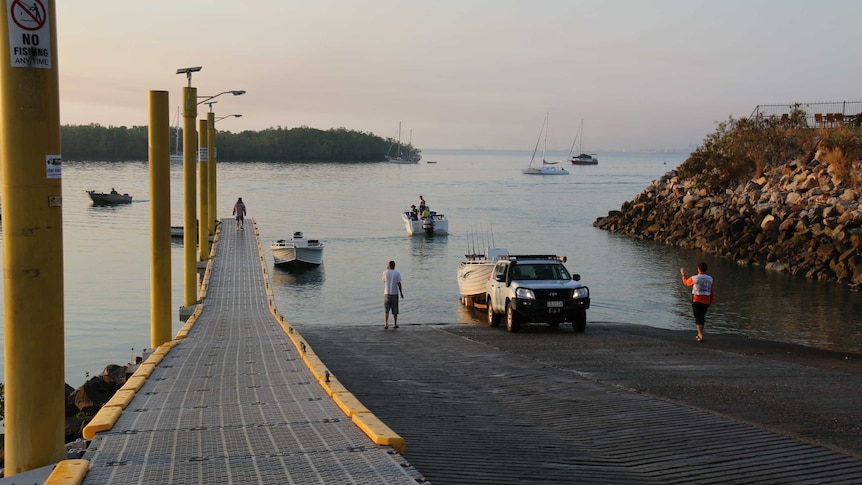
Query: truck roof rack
{"points": [[553, 257]]}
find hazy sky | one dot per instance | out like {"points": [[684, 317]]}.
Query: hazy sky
{"points": [[463, 73]]}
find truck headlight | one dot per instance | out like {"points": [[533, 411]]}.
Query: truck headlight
{"points": [[525, 294], [580, 293]]}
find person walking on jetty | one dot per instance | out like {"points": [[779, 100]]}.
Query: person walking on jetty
{"points": [[391, 290], [239, 212], [702, 295]]}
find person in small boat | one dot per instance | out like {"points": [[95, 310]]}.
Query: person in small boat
{"points": [[425, 213], [421, 205], [414, 213], [113, 190], [239, 212]]}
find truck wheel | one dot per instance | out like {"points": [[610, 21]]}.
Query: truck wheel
{"points": [[513, 323], [579, 322], [493, 318]]}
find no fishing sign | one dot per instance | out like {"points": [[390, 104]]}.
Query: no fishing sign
{"points": [[29, 33]]}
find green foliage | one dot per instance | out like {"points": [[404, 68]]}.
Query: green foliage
{"points": [[741, 148], [96, 142]]}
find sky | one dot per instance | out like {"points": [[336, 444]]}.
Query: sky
{"points": [[463, 74]]}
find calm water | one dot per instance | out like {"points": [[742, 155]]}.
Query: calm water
{"points": [[355, 209]]}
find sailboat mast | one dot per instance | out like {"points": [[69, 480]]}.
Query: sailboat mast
{"points": [[399, 139], [538, 140]]}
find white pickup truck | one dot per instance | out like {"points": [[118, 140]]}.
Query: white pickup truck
{"points": [[536, 288]]}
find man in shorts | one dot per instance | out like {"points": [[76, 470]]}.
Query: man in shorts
{"points": [[391, 290]]}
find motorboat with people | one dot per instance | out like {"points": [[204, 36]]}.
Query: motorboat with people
{"points": [[297, 251], [111, 198], [474, 270], [425, 221]]}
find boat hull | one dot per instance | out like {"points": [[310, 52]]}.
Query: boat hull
{"points": [[290, 256], [584, 159], [473, 277], [474, 272], [439, 224], [100, 198], [297, 252], [544, 171]]}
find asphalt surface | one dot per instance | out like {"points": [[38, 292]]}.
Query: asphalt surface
{"points": [[617, 404]]}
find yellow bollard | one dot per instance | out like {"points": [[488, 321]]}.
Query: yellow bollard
{"points": [[31, 190], [160, 218], [213, 155], [190, 232], [203, 185]]}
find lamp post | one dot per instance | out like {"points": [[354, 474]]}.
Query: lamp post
{"points": [[228, 116], [210, 187], [189, 227], [212, 179]]}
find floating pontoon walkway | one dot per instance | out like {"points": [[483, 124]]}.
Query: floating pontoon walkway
{"points": [[239, 398]]}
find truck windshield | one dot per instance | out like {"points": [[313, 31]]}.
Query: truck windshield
{"points": [[541, 272]]}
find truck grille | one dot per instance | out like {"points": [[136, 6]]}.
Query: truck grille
{"points": [[559, 295]]}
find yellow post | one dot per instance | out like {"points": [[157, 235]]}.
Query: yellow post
{"points": [[190, 232], [31, 190], [203, 184], [160, 218], [211, 149]]}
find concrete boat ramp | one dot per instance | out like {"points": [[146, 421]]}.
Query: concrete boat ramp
{"points": [[242, 396]]}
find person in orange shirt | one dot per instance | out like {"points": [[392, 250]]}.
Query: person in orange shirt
{"points": [[702, 295]]}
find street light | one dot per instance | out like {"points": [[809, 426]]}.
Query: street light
{"points": [[188, 72], [207, 98], [228, 116]]}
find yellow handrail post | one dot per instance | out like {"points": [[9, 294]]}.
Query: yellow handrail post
{"points": [[160, 218], [211, 149], [31, 190], [203, 184], [190, 232]]}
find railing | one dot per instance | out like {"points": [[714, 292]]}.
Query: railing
{"points": [[818, 115]]}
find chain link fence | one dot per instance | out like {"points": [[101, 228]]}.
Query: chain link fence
{"points": [[817, 115]]}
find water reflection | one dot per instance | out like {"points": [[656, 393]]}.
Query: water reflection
{"points": [[298, 276]]}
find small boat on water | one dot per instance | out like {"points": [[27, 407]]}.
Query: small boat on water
{"points": [[583, 158], [475, 269], [434, 223], [111, 198], [547, 168], [297, 251], [410, 156]]}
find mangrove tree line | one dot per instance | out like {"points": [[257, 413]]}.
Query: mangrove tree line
{"points": [[302, 144]]}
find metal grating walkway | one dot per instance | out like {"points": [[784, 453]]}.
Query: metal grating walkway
{"points": [[235, 403]]}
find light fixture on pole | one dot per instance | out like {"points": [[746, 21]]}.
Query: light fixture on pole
{"points": [[228, 116], [188, 72], [207, 98], [190, 112]]}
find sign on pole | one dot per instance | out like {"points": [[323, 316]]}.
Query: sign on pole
{"points": [[29, 34]]}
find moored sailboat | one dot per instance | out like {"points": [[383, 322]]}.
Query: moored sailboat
{"points": [[547, 168]]}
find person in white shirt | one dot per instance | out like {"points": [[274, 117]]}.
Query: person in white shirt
{"points": [[391, 290]]}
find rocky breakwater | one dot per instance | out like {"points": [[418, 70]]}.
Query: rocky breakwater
{"points": [[799, 217]]}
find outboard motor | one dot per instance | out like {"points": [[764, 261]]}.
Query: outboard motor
{"points": [[428, 226]]}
